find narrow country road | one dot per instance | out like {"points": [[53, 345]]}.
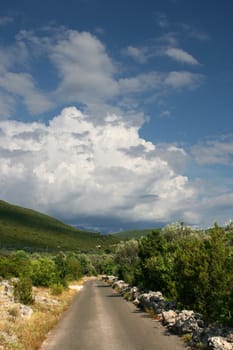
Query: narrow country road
{"points": [[99, 319]]}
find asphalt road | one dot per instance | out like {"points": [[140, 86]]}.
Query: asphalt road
{"points": [[100, 319]]}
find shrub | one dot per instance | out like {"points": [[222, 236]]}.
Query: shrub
{"points": [[23, 291], [43, 272], [57, 289]]}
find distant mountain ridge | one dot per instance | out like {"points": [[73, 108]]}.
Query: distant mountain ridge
{"points": [[22, 228]]}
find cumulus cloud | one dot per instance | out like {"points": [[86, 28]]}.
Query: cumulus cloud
{"points": [[74, 168], [180, 55], [174, 155]]}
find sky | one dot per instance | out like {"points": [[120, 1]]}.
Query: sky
{"points": [[118, 114]]}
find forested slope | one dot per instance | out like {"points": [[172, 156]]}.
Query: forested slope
{"points": [[22, 228]]}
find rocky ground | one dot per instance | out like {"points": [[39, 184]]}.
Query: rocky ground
{"points": [[14, 315]]}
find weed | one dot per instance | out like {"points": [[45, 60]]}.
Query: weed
{"points": [[187, 337], [14, 311], [57, 289], [150, 312]]}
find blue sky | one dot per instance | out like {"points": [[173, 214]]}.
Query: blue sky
{"points": [[118, 115]]}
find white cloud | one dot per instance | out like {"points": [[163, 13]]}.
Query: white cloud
{"points": [[138, 54], [155, 81], [162, 20], [192, 32], [180, 55], [19, 86], [75, 168], [174, 155], [165, 113], [4, 21], [13, 55], [183, 79], [140, 83], [82, 72], [85, 72], [22, 85], [213, 207], [7, 105], [85, 69], [218, 151]]}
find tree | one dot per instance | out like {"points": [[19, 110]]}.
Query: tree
{"points": [[73, 266], [61, 267], [86, 264], [191, 273], [156, 264], [219, 296], [19, 264], [176, 231], [126, 257], [4, 266]]}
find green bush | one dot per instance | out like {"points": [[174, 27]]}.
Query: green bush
{"points": [[43, 272], [23, 291]]}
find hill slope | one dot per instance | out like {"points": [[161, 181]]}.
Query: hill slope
{"points": [[130, 234], [22, 228]]}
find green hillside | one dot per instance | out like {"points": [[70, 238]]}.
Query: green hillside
{"points": [[130, 234], [22, 228]]}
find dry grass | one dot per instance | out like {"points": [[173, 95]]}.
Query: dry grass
{"points": [[19, 334]]}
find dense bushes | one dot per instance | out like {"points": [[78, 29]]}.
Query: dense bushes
{"points": [[193, 267], [53, 271]]}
